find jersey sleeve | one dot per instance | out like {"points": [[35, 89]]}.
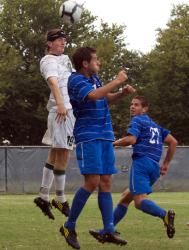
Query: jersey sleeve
{"points": [[78, 88], [135, 127], [164, 133], [49, 68]]}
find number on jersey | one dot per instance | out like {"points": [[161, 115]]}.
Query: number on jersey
{"points": [[70, 140], [154, 135]]}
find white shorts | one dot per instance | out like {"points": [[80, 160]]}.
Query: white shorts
{"points": [[60, 135]]}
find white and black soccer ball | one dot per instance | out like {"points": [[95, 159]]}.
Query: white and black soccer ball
{"points": [[70, 12]]}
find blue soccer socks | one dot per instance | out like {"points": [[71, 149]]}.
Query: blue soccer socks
{"points": [[78, 204], [149, 207], [119, 212], [105, 204]]}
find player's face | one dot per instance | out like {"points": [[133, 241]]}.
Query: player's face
{"points": [[93, 66], [136, 108], [57, 46]]}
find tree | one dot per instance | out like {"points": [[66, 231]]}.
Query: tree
{"points": [[169, 75]]}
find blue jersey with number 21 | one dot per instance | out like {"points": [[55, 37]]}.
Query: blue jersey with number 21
{"points": [[149, 135]]}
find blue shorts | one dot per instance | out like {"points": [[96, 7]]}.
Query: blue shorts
{"points": [[96, 157], [144, 173]]}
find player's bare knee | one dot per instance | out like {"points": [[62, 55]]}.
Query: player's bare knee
{"points": [[94, 184], [125, 202], [105, 184], [137, 205], [91, 182], [90, 186]]}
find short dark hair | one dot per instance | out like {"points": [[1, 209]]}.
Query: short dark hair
{"points": [[82, 54], [143, 99]]}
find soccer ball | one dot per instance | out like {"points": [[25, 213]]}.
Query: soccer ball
{"points": [[70, 12]]}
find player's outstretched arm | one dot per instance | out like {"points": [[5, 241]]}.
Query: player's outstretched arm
{"points": [[126, 141], [114, 97], [62, 112], [103, 91], [172, 142]]}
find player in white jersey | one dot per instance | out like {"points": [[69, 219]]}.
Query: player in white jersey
{"points": [[56, 67]]}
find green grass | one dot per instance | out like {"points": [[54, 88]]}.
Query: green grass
{"points": [[24, 226]]}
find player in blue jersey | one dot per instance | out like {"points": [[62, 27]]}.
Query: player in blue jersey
{"points": [[94, 136], [147, 139]]}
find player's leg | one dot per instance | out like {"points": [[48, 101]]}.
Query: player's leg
{"points": [[48, 175], [146, 172], [88, 161], [150, 207], [122, 207], [43, 200], [118, 214], [62, 140], [80, 198], [104, 197], [79, 201], [61, 161], [105, 203]]}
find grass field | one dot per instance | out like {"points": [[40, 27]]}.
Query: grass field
{"points": [[24, 226]]}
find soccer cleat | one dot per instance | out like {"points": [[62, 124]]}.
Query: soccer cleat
{"points": [[70, 236], [45, 207], [169, 223], [63, 207], [96, 234], [112, 237]]}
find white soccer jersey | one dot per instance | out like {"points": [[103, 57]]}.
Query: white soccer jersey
{"points": [[61, 67]]}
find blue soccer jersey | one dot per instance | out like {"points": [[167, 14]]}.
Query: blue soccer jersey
{"points": [[149, 135], [93, 119]]}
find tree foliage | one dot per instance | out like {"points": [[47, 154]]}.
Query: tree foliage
{"points": [[168, 74]]}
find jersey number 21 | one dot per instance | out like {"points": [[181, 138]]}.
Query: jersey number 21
{"points": [[154, 135]]}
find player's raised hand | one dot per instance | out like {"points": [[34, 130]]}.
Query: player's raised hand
{"points": [[62, 112], [122, 77], [128, 90]]}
